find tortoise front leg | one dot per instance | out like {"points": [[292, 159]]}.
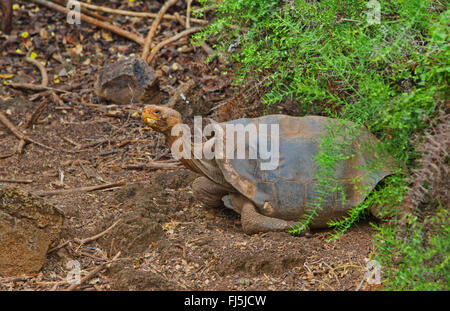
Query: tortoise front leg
{"points": [[254, 222], [208, 192]]}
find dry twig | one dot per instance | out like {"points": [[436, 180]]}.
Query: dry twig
{"points": [[153, 166], [138, 14], [63, 89], [23, 139], [80, 189], [32, 119], [180, 19], [86, 11], [44, 75], [188, 14], [58, 247], [152, 31], [134, 37], [86, 240], [162, 44], [13, 279], [7, 155], [70, 141], [91, 274], [16, 181], [34, 87], [97, 236], [58, 100], [30, 86], [343, 20], [20, 146]]}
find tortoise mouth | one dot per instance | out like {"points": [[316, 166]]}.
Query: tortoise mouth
{"points": [[150, 120], [148, 117]]}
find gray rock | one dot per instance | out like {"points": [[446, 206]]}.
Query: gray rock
{"points": [[28, 226], [127, 81]]}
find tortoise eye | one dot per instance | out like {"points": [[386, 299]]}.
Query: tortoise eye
{"points": [[157, 111]]}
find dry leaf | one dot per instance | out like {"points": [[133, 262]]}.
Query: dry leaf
{"points": [[43, 33], [77, 50], [106, 35]]}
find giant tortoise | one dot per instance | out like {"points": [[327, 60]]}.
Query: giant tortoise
{"points": [[275, 199]]}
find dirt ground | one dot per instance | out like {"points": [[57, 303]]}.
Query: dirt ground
{"points": [[166, 238]]}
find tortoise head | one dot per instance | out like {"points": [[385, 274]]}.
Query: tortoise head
{"points": [[160, 118]]}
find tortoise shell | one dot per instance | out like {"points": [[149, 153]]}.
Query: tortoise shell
{"points": [[285, 191]]}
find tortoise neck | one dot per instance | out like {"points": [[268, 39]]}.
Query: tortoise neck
{"points": [[171, 139]]}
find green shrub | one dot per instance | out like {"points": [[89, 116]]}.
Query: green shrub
{"points": [[391, 77]]}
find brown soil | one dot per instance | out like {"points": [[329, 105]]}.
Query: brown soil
{"points": [[167, 239]]}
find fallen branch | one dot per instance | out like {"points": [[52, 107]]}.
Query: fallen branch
{"points": [[180, 19], [31, 119], [97, 236], [58, 101], [44, 75], [343, 20], [211, 52], [136, 38], [109, 152], [13, 279], [34, 87], [152, 31], [11, 127], [360, 284], [70, 141], [8, 155], [86, 11], [138, 14], [58, 247], [94, 143], [91, 274], [209, 8], [63, 89], [86, 240], [188, 13], [44, 193], [178, 36], [23, 139], [207, 49], [153, 166], [16, 181], [20, 146]]}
